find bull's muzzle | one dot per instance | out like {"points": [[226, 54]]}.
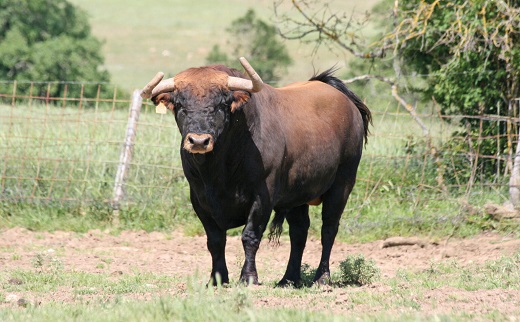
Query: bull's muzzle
{"points": [[198, 143]]}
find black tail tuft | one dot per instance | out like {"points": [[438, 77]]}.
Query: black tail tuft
{"points": [[276, 227], [328, 77]]}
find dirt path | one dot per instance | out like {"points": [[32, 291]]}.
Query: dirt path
{"points": [[178, 255]]}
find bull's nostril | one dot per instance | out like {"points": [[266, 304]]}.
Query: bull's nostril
{"points": [[199, 142]]}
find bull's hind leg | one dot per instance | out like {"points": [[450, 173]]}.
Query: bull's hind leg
{"points": [[298, 220], [334, 201]]}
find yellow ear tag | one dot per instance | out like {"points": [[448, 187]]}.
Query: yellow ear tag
{"points": [[161, 108]]}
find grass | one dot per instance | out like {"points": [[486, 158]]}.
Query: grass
{"points": [[142, 38], [66, 159], [50, 293], [503, 273], [59, 165]]}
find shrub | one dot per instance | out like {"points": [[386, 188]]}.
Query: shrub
{"points": [[356, 270]]}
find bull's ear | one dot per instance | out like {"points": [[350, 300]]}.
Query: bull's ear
{"points": [[164, 98], [240, 98]]}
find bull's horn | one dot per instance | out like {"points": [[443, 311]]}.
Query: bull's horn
{"points": [[157, 86], [166, 85], [254, 85], [147, 90]]}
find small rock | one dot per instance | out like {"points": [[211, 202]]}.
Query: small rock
{"points": [[22, 302], [165, 257], [117, 273], [11, 298], [15, 281]]}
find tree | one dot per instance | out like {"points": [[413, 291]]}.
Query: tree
{"points": [[48, 40], [470, 51], [479, 39], [254, 38]]}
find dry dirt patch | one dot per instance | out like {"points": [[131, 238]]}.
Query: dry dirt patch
{"points": [[178, 255]]}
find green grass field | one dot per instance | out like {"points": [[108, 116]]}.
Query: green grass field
{"points": [[60, 165], [143, 37]]}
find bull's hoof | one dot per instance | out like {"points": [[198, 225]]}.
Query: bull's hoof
{"points": [[324, 279], [249, 280], [217, 280]]}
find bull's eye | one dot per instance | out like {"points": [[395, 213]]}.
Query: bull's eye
{"points": [[220, 117], [181, 116]]}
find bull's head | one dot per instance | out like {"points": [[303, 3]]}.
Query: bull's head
{"points": [[202, 100]]}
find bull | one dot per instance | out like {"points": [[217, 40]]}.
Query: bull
{"points": [[248, 148]]}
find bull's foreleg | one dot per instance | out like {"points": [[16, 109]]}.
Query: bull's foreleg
{"points": [[251, 237], [299, 222], [216, 243]]}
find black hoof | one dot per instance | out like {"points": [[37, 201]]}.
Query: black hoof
{"points": [[217, 280], [249, 280]]}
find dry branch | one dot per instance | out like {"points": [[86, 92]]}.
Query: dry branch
{"points": [[403, 241], [397, 97]]}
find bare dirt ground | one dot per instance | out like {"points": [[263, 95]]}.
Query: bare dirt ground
{"points": [[178, 255]]}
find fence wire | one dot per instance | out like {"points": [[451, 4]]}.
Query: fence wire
{"points": [[63, 150]]}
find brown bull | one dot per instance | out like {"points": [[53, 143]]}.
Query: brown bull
{"points": [[248, 149]]}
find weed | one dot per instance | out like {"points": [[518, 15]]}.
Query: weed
{"points": [[307, 274], [356, 270], [240, 300], [47, 262]]}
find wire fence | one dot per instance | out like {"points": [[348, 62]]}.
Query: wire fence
{"points": [[66, 150]]}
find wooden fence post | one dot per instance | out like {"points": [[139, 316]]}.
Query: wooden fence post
{"points": [[514, 180], [126, 154]]}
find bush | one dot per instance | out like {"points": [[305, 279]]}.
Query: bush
{"points": [[356, 270]]}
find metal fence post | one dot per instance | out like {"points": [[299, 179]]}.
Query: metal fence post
{"points": [[126, 154]]}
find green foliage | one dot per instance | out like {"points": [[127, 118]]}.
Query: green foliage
{"points": [[463, 54], [43, 40], [356, 270], [470, 51], [307, 274], [256, 40]]}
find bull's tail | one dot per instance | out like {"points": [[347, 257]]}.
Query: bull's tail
{"points": [[276, 227], [327, 77]]}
